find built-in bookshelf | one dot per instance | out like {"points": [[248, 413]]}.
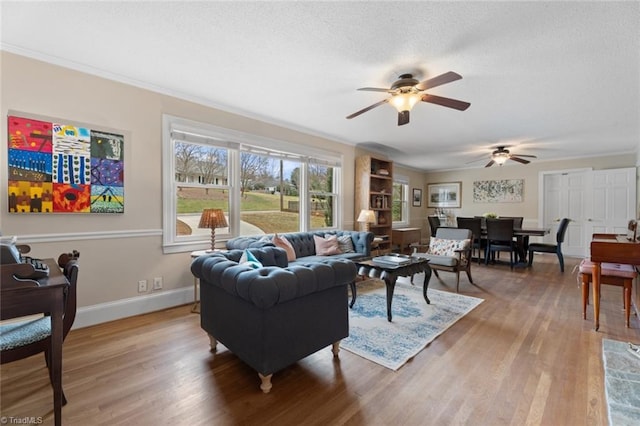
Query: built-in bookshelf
{"points": [[374, 191]]}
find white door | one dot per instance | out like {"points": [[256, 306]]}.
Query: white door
{"points": [[614, 201], [566, 194], [601, 201]]}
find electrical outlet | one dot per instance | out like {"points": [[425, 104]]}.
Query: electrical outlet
{"points": [[157, 283], [142, 286]]}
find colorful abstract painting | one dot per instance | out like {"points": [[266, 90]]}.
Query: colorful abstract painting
{"points": [[63, 168]]}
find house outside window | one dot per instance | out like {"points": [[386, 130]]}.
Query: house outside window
{"points": [[263, 186]]}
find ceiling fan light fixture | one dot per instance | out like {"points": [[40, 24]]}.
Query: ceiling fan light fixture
{"points": [[500, 158], [405, 101]]}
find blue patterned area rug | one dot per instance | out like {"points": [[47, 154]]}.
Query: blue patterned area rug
{"points": [[415, 324], [622, 383]]}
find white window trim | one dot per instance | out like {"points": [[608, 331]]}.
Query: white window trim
{"points": [[235, 141]]}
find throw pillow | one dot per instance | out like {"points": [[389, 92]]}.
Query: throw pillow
{"points": [[250, 260], [326, 246], [345, 244], [444, 247], [283, 243]]}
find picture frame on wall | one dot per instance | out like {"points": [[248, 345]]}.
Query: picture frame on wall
{"points": [[417, 197], [447, 194]]}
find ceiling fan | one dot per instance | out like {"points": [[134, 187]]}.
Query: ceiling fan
{"points": [[502, 154], [407, 91]]}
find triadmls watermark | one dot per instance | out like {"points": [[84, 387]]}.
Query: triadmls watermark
{"points": [[24, 420]]}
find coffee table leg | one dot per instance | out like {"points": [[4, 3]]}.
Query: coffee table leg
{"points": [[425, 285], [390, 282], [353, 293]]}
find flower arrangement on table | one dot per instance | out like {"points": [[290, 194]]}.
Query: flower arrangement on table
{"points": [[490, 215]]}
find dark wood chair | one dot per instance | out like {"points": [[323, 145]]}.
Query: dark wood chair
{"points": [[552, 248], [474, 224], [500, 238], [517, 221], [434, 224], [22, 339]]}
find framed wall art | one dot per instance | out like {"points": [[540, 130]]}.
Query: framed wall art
{"points": [[444, 194], [498, 191], [417, 197], [58, 167]]}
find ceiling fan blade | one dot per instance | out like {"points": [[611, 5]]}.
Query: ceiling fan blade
{"points": [[439, 80], [375, 89], [490, 163], [519, 160], [447, 102], [403, 118], [528, 156], [370, 107]]}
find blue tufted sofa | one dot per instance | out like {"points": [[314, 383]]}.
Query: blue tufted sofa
{"points": [[273, 316], [304, 245]]}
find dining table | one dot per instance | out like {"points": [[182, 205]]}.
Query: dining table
{"points": [[522, 236]]}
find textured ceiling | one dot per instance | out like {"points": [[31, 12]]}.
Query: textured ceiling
{"points": [[552, 79]]}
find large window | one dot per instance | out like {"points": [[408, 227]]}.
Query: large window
{"points": [[261, 185], [400, 201]]}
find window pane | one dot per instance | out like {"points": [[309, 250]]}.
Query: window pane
{"points": [[202, 164], [398, 202], [190, 202], [322, 195], [269, 200], [199, 168]]}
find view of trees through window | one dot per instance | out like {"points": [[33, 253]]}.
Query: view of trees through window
{"points": [[268, 190]]}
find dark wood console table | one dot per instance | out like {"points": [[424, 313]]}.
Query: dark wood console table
{"points": [[20, 297]]}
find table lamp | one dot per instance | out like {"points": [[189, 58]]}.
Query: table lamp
{"points": [[213, 218], [366, 217]]}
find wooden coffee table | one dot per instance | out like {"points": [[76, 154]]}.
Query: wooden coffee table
{"points": [[389, 274]]}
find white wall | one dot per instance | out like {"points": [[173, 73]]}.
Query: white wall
{"points": [[529, 172], [117, 250]]}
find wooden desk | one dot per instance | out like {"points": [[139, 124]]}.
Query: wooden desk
{"points": [[404, 237], [610, 248], [29, 297]]}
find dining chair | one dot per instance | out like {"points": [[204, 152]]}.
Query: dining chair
{"points": [[500, 238], [434, 224], [22, 339], [474, 224], [552, 248], [517, 221]]}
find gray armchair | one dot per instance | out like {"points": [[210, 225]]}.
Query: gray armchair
{"points": [[450, 251]]}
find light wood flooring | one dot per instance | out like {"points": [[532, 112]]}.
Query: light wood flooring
{"points": [[523, 357]]}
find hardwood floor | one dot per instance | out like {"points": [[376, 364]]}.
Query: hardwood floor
{"points": [[523, 357]]}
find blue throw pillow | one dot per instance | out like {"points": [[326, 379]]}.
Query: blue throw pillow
{"points": [[249, 259]]}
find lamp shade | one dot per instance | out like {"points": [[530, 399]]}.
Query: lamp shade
{"points": [[213, 218], [366, 216], [500, 158], [405, 101]]}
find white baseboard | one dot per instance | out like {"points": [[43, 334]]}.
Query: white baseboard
{"points": [[105, 312]]}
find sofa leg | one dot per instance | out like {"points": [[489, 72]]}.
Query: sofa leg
{"points": [[213, 343], [335, 348], [266, 382]]}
